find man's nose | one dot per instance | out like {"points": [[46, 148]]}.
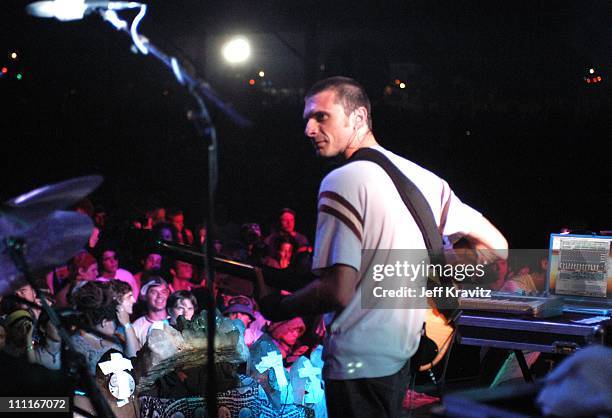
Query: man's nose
{"points": [[311, 129]]}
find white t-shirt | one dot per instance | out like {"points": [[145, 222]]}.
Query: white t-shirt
{"points": [[360, 209], [141, 328]]}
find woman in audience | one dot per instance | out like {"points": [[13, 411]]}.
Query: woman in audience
{"points": [[124, 297], [98, 327], [286, 335], [283, 256]]}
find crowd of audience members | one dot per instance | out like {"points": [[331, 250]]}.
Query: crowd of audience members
{"points": [[117, 287]]}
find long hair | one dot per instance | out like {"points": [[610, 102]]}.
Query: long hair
{"points": [[96, 303]]}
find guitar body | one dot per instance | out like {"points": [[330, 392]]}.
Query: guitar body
{"points": [[440, 333]]}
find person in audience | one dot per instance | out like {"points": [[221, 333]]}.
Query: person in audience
{"points": [[251, 239], [48, 352], [99, 323], [152, 261], [19, 327], [283, 256], [181, 303], [241, 308], [165, 231], [183, 277], [86, 207], [286, 228], [124, 296], [176, 217], [155, 293], [201, 232], [111, 270], [83, 268], [286, 336], [27, 293], [539, 273]]}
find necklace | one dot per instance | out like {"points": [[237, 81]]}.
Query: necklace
{"points": [[53, 355]]}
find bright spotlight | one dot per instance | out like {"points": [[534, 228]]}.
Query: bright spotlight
{"points": [[237, 50], [591, 71]]}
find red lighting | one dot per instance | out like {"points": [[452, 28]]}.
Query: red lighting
{"points": [[598, 78], [252, 82], [4, 70], [588, 80]]}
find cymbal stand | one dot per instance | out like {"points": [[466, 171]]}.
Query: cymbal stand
{"points": [[17, 248]]}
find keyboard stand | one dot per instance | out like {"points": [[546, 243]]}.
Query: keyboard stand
{"points": [[520, 357]]}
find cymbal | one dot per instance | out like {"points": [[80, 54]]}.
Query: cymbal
{"points": [[49, 241], [38, 203]]}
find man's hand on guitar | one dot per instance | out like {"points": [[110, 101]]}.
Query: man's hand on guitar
{"points": [[268, 298]]}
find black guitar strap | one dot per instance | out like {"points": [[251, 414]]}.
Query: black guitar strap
{"points": [[422, 214]]}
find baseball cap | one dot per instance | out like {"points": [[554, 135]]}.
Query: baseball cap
{"points": [[154, 281]]}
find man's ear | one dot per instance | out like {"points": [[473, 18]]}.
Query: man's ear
{"points": [[361, 117]]}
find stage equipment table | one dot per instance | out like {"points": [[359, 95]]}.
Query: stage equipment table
{"points": [[547, 335]]}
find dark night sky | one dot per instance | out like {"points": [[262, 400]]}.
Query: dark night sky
{"points": [[509, 72]]}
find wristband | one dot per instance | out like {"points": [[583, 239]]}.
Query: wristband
{"points": [[127, 326]]}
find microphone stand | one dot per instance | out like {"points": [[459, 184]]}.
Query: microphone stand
{"points": [[16, 249], [200, 90]]}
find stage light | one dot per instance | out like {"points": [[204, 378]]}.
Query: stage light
{"points": [[598, 78], [252, 82], [262, 74], [4, 70], [397, 82], [591, 71], [237, 50], [402, 85], [19, 76], [13, 55]]}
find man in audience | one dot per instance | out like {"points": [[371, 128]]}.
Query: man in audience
{"points": [[153, 261], [182, 277], [110, 269], [27, 293], [286, 223], [241, 308], [155, 293], [176, 218]]}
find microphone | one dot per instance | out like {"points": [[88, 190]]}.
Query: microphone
{"points": [[66, 10]]}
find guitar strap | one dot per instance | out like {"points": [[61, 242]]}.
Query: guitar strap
{"points": [[421, 212]]}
